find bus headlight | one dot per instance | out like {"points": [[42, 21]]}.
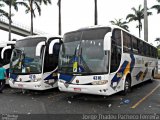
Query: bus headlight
{"points": [[37, 79], [100, 82]]}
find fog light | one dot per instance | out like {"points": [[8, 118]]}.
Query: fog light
{"points": [[101, 82], [37, 79], [77, 81]]}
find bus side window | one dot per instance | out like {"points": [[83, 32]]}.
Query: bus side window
{"points": [[51, 60], [127, 47], [116, 50], [140, 46], [135, 45], [156, 52], [147, 50], [56, 49], [144, 49]]}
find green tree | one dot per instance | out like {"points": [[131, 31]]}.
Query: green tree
{"points": [[15, 4], [120, 23], [2, 12], [33, 5], [137, 16], [157, 7]]}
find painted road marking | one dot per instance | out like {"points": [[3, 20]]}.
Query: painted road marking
{"points": [[140, 101]]}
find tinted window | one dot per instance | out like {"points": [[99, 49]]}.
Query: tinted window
{"points": [[126, 42], [147, 50], [116, 50], [29, 42], [140, 48], [95, 34], [51, 60], [116, 37], [135, 45], [144, 49], [88, 34]]}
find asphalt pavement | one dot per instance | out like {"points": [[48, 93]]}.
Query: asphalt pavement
{"points": [[144, 99]]}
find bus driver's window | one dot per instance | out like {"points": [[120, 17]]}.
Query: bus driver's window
{"points": [[116, 50]]}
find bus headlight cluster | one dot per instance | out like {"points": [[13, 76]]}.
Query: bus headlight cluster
{"points": [[100, 82], [37, 79]]}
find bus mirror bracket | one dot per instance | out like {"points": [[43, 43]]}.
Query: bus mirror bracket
{"points": [[107, 42], [39, 47], [4, 49], [51, 45]]}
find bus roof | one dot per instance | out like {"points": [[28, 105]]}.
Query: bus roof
{"points": [[112, 27], [45, 35]]}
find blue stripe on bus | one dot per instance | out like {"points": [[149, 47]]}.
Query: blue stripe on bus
{"points": [[67, 78], [13, 76], [116, 78], [51, 76], [132, 62], [121, 70]]}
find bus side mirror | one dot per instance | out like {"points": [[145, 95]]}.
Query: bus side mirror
{"points": [[107, 42], [51, 45], [4, 49], [39, 47]]}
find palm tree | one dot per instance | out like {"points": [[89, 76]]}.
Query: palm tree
{"points": [[95, 13], [59, 24], [12, 3], [137, 16], [157, 7], [33, 5], [120, 23], [2, 12]]}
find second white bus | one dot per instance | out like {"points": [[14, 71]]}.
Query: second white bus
{"points": [[34, 63], [104, 60]]}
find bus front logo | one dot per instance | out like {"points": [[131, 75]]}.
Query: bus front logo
{"points": [[66, 85], [77, 81]]}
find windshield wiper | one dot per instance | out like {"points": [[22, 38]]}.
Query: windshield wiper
{"points": [[78, 53], [84, 64]]}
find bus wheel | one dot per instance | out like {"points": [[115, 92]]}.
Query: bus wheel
{"points": [[127, 86], [152, 77]]}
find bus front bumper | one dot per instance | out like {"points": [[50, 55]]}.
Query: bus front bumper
{"points": [[87, 89], [30, 85]]}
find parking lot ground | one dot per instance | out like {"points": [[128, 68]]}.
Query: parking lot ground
{"points": [[144, 99]]}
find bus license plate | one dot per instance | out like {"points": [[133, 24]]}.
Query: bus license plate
{"points": [[20, 85], [77, 89]]}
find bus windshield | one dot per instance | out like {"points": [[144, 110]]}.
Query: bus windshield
{"points": [[82, 52], [23, 59]]}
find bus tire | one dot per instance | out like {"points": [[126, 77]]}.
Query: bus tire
{"points": [[127, 86], [152, 76]]}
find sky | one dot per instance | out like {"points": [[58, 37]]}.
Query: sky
{"points": [[80, 13]]}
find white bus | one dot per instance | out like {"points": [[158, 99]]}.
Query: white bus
{"points": [[6, 48], [104, 60], [34, 63]]}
